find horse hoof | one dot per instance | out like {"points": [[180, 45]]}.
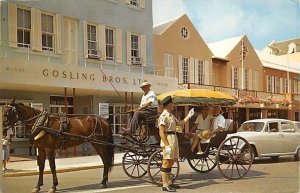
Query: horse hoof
{"points": [[52, 190], [35, 190], [102, 186]]}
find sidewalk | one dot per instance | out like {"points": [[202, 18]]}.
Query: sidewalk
{"points": [[28, 166]]}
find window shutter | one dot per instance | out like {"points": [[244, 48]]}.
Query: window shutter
{"points": [[36, 35], [197, 71], [180, 75], [58, 34], [290, 86], [191, 70], [142, 3], [101, 41], [128, 48], [206, 72], [298, 87], [250, 79], [12, 25], [119, 57], [240, 71], [85, 42], [143, 50]]}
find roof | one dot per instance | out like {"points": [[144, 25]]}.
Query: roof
{"points": [[278, 62], [266, 120], [222, 48], [160, 28], [283, 46]]}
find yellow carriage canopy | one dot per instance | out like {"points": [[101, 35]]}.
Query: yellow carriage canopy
{"points": [[199, 96]]}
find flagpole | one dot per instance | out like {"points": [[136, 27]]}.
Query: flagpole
{"points": [[242, 63]]}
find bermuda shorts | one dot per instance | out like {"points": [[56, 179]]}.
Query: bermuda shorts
{"points": [[173, 142]]}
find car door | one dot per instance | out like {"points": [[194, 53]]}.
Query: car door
{"points": [[291, 136], [273, 139]]}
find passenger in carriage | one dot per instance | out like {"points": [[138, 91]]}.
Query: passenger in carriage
{"points": [[167, 130], [218, 125], [148, 107], [202, 123]]}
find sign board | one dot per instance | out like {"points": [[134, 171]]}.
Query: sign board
{"points": [[38, 106], [104, 110]]}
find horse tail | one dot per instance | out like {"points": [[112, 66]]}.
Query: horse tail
{"points": [[110, 149]]}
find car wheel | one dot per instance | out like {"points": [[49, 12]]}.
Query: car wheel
{"points": [[297, 156]]}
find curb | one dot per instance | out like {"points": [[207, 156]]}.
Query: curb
{"points": [[61, 170]]}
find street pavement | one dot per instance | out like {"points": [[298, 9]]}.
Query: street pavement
{"points": [[266, 176]]}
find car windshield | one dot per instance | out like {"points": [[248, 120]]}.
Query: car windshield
{"points": [[251, 126]]}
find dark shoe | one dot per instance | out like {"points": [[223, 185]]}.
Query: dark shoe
{"points": [[169, 189], [175, 186]]}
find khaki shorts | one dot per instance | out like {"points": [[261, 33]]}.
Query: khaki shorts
{"points": [[173, 142]]}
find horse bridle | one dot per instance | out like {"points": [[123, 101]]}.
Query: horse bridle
{"points": [[12, 113]]}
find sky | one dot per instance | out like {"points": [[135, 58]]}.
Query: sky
{"points": [[261, 20]]}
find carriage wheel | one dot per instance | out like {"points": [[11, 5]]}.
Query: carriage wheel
{"points": [[154, 166], [204, 164], [134, 165], [234, 157]]}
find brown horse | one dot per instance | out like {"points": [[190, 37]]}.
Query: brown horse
{"points": [[92, 126]]}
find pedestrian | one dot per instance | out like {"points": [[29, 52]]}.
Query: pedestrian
{"points": [[5, 142], [167, 130]]}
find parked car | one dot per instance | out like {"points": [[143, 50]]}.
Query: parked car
{"points": [[272, 137]]}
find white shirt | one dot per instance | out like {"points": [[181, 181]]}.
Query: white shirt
{"points": [[149, 97], [203, 124], [219, 121]]}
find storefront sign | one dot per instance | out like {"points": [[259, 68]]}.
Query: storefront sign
{"points": [[29, 73], [104, 110]]}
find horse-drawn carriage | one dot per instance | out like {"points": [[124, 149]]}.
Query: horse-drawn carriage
{"points": [[232, 155]]}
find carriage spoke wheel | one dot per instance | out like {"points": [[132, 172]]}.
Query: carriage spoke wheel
{"points": [[154, 166], [204, 164], [234, 157], [134, 165]]}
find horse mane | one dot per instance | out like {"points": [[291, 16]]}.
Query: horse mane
{"points": [[36, 111]]}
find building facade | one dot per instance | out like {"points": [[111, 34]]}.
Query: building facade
{"points": [[65, 60]]}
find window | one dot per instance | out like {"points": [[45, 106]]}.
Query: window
{"points": [[246, 79], [201, 77], [134, 2], [255, 81], [92, 41], [287, 127], [184, 32], [277, 85], [168, 62], [109, 38], [235, 77], [135, 46], [295, 89], [47, 32], [286, 85], [23, 27], [57, 104], [273, 127], [269, 84], [185, 62]]}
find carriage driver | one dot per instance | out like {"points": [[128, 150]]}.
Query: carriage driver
{"points": [[148, 106], [167, 130]]}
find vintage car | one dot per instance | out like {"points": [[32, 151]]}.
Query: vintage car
{"points": [[272, 137]]}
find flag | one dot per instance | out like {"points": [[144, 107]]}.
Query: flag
{"points": [[244, 51]]}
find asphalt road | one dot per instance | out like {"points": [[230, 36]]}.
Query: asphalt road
{"points": [[266, 176]]}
